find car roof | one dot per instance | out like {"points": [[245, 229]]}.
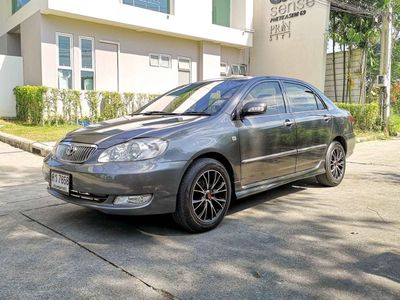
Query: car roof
{"points": [[258, 78]]}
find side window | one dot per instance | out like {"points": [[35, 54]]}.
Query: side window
{"points": [[269, 93], [301, 98]]}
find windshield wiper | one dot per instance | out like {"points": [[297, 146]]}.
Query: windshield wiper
{"points": [[156, 112], [196, 113]]}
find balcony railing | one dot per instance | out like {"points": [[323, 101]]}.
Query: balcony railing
{"points": [[156, 5]]}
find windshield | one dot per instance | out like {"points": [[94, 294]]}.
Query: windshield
{"points": [[206, 98]]}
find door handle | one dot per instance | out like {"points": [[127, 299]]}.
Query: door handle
{"points": [[288, 123], [327, 118]]}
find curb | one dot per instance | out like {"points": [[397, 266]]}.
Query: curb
{"points": [[25, 144]]}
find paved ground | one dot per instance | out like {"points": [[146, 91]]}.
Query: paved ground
{"points": [[298, 241]]}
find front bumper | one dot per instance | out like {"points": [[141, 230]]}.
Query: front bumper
{"points": [[161, 179]]}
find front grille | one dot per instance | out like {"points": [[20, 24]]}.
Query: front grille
{"points": [[75, 153], [88, 196]]}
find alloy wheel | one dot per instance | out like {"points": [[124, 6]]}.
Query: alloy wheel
{"points": [[209, 196], [337, 163]]}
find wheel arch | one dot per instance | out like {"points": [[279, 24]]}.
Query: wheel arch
{"points": [[342, 141], [218, 157]]}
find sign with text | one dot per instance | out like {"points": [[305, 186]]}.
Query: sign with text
{"points": [[283, 14]]}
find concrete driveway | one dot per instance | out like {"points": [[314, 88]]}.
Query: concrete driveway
{"points": [[299, 241]]}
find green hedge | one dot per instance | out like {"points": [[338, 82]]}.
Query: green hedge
{"points": [[39, 105], [366, 116], [30, 103]]}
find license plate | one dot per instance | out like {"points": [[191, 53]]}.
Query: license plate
{"points": [[60, 181]]}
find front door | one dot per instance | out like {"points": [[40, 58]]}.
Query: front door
{"points": [[313, 123], [267, 141]]}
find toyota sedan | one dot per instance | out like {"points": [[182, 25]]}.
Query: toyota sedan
{"points": [[194, 149]]}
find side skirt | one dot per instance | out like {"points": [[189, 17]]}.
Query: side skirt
{"points": [[266, 185]]}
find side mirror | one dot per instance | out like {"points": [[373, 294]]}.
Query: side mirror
{"points": [[253, 108]]}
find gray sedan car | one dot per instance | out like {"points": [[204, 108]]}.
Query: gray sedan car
{"points": [[197, 147]]}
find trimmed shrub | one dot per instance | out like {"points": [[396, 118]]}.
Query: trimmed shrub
{"points": [[366, 116], [92, 98], [72, 108], [129, 102], [112, 105], [39, 105], [30, 103], [394, 124]]}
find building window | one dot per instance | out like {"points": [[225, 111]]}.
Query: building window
{"points": [[243, 70], [64, 45], [221, 12], [156, 5], [224, 69], [165, 61], [17, 4], [154, 60], [87, 63], [235, 69], [184, 70]]}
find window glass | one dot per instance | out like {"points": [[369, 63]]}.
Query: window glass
{"points": [[87, 80], [156, 5], [269, 93], [242, 70], [224, 70], [64, 51], [165, 61], [184, 64], [64, 79], [87, 53], [235, 69], [301, 98], [221, 12], [17, 4], [201, 97], [154, 60]]}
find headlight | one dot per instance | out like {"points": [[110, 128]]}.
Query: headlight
{"points": [[134, 150], [54, 149]]}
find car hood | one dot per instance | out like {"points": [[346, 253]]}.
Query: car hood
{"points": [[116, 131]]}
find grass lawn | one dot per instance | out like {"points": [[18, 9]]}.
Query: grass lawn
{"points": [[37, 133], [374, 135]]}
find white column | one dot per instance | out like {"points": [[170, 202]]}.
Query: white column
{"points": [[210, 60]]}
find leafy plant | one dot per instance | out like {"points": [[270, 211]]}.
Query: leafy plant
{"points": [[92, 98], [394, 124], [366, 116], [112, 105], [72, 108], [30, 103], [129, 102]]}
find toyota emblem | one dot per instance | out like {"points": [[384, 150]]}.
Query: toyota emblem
{"points": [[70, 150]]}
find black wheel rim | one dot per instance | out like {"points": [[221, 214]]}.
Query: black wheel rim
{"points": [[337, 163], [209, 196]]}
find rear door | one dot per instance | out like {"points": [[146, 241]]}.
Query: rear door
{"points": [[267, 141], [313, 125]]}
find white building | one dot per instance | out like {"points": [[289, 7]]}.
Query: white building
{"points": [[151, 46]]}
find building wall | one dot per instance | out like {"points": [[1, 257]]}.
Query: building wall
{"points": [[295, 46], [136, 74], [232, 56], [11, 75], [31, 31]]}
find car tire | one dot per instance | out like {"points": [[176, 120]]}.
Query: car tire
{"points": [[335, 165], [204, 196]]}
